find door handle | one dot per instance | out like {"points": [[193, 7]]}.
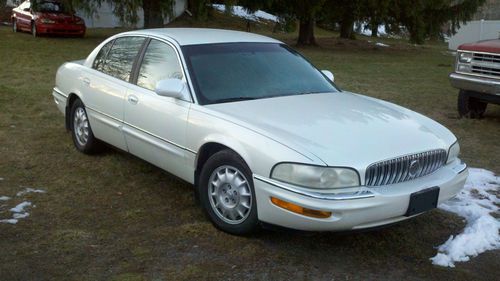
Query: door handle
{"points": [[86, 81], [133, 99]]}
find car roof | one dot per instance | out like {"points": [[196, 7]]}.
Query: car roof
{"points": [[197, 36]]}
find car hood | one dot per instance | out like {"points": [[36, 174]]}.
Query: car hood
{"points": [[341, 129], [488, 46]]}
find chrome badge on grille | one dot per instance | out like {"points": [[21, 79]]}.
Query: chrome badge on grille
{"points": [[414, 168]]}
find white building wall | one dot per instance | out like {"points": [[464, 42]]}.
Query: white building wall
{"points": [[475, 31], [105, 18]]}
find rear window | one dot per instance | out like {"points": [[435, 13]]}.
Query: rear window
{"points": [[48, 7], [120, 58]]}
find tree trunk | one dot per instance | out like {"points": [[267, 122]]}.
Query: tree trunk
{"points": [[346, 29], [374, 28], [306, 32], [153, 16]]}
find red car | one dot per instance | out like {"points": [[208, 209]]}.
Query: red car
{"points": [[46, 17]]}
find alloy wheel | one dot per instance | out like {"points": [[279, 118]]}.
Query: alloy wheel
{"points": [[81, 126], [229, 194]]}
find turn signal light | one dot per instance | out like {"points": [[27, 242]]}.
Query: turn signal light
{"points": [[300, 210]]}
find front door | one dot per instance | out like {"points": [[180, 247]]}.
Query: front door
{"points": [[155, 126]]}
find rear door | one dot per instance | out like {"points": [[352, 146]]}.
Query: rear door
{"points": [[155, 126], [104, 88]]}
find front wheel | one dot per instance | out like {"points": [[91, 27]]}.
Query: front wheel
{"points": [[470, 107], [81, 132], [33, 30], [227, 194]]}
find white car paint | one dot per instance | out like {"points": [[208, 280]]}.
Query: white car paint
{"points": [[341, 129]]}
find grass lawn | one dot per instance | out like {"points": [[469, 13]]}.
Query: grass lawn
{"points": [[115, 217]]}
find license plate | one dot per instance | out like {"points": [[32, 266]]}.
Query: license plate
{"points": [[423, 200]]}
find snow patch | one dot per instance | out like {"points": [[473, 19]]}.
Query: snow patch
{"points": [[20, 215], [364, 30], [11, 221], [20, 207], [381, 44], [29, 190], [19, 211], [477, 203], [242, 13]]}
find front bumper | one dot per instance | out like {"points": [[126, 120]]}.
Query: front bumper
{"points": [[375, 206], [476, 84], [62, 29]]}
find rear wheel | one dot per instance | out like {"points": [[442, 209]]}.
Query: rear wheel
{"points": [[81, 132], [227, 194], [470, 107]]}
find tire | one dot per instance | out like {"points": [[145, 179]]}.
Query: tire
{"points": [[470, 107], [14, 25], [230, 204], [81, 132], [33, 30]]}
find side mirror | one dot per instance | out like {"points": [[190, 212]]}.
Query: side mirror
{"points": [[329, 75], [174, 88]]}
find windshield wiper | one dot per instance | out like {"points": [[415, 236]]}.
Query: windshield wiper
{"points": [[235, 99]]}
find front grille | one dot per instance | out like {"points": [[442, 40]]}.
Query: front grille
{"points": [[486, 64], [405, 168], [486, 70]]}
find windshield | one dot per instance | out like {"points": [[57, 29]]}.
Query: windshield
{"points": [[241, 71], [48, 7]]}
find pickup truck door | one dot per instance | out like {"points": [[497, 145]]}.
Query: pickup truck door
{"points": [[104, 88], [155, 126]]}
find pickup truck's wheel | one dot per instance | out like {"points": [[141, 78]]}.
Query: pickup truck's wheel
{"points": [[227, 194], [83, 138], [470, 107]]}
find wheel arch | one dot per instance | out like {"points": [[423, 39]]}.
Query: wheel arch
{"points": [[72, 97], [211, 147]]}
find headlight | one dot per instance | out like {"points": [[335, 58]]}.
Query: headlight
{"points": [[47, 21], [453, 152], [80, 21], [315, 176], [465, 57]]}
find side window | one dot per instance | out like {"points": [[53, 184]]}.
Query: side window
{"points": [[160, 62], [121, 57], [100, 59]]}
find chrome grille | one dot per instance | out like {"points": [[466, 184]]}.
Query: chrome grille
{"points": [[403, 168], [486, 64]]}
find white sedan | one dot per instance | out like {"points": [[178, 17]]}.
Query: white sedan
{"points": [[264, 136]]}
